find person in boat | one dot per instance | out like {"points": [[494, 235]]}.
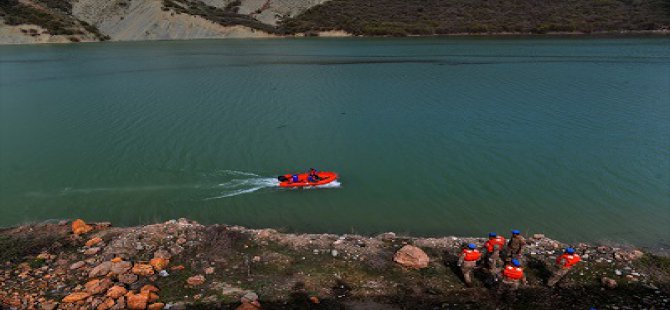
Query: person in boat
{"points": [[313, 176]]}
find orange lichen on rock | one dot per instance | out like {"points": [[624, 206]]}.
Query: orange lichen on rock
{"points": [[80, 227], [116, 292], [93, 241], [75, 297], [136, 302], [143, 269], [159, 263]]}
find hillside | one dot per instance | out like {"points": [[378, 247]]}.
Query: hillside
{"points": [[430, 17], [34, 21]]}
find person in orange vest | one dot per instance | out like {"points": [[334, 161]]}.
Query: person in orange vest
{"points": [[515, 246], [513, 275], [493, 247], [468, 261], [565, 262]]}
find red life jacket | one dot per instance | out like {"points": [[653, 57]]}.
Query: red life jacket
{"points": [[471, 255], [513, 273], [570, 260], [499, 240]]}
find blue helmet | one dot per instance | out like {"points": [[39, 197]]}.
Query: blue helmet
{"points": [[516, 232], [516, 262], [492, 235], [570, 251], [472, 246]]}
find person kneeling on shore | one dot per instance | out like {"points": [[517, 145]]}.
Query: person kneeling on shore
{"points": [[468, 261], [565, 262], [513, 275]]}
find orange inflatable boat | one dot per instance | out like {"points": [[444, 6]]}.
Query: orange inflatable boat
{"points": [[303, 179]]}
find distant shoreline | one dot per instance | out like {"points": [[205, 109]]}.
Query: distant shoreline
{"points": [[342, 34]]}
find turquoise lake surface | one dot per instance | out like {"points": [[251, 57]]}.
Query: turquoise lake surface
{"points": [[431, 136]]}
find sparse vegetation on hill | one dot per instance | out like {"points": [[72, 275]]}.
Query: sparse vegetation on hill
{"points": [[227, 16], [56, 21], [430, 17]]}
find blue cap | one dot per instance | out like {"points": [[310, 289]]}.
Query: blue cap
{"points": [[492, 235], [516, 262], [570, 251], [515, 232], [472, 246]]}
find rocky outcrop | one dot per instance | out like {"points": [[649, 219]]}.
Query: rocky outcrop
{"points": [[217, 266]]}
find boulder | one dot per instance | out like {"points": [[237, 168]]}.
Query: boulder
{"points": [[136, 302], [80, 227], [100, 270], [48, 305], [387, 236], [96, 286], [249, 297], [177, 268], [93, 241], [116, 291], [108, 303], [75, 297], [195, 280], [151, 296], [412, 257], [247, 306], [159, 263], [141, 269], [77, 265], [149, 288], [156, 306], [128, 278], [162, 254], [120, 267], [538, 236], [209, 270], [92, 251], [608, 282], [120, 303]]}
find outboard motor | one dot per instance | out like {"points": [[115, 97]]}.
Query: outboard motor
{"points": [[282, 178]]}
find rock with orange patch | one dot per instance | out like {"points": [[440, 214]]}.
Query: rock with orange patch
{"points": [[136, 302], [151, 296], [178, 267], [75, 297], [195, 280], [115, 292], [117, 259], [248, 306], [96, 286], [93, 241], [80, 227], [156, 306], [106, 304], [159, 263], [143, 269], [149, 288]]}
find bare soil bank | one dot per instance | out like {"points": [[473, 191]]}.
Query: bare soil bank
{"points": [[182, 264]]}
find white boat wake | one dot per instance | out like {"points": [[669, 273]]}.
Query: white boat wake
{"points": [[238, 183]]}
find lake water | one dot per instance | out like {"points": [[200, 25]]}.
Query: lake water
{"points": [[431, 136]]}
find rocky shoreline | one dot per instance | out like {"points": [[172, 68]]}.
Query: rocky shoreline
{"points": [[181, 264]]}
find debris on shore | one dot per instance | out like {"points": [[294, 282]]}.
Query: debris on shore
{"points": [[180, 264]]}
